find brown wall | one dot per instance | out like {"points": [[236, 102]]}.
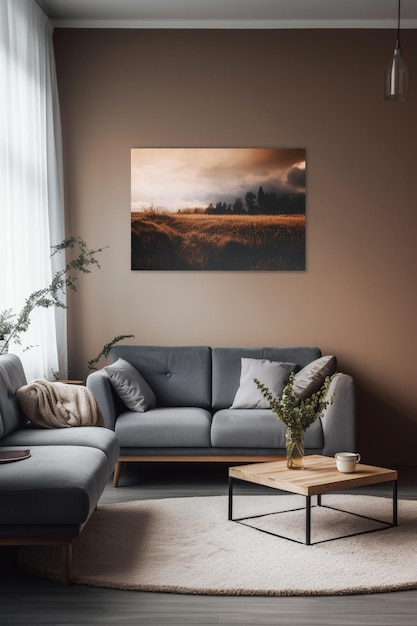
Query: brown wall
{"points": [[319, 90]]}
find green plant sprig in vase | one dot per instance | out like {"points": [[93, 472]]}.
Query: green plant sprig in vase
{"points": [[297, 413]]}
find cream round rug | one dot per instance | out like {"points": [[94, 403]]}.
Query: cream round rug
{"points": [[187, 545]]}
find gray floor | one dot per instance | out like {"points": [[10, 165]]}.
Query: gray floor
{"points": [[27, 599]]}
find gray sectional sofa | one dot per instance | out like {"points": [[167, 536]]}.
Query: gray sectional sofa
{"points": [[174, 404], [48, 497]]}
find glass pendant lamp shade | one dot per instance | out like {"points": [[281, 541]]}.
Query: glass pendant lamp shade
{"points": [[396, 74], [396, 78]]}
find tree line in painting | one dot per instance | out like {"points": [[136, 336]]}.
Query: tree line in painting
{"points": [[262, 203]]}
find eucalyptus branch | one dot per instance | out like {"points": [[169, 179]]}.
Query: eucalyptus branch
{"points": [[12, 326], [104, 353], [6, 323]]}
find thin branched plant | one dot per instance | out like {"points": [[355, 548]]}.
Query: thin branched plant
{"points": [[14, 325]]}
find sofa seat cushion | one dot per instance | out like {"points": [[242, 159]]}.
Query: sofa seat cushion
{"points": [[55, 485], [91, 436], [165, 427], [256, 428]]}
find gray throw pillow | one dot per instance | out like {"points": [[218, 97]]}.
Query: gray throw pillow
{"points": [[130, 386], [272, 374], [309, 380]]}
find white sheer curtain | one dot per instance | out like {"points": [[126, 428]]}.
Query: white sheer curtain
{"points": [[31, 186]]}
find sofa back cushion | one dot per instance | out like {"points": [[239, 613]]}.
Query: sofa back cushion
{"points": [[178, 375], [12, 377], [226, 364]]}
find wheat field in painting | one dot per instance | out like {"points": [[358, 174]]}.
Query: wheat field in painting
{"points": [[177, 241]]}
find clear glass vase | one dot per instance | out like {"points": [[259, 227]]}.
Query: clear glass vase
{"points": [[295, 449]]}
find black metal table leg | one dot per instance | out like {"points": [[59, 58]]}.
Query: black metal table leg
{"points": [[308, 507], [308, 520], [230, 498]]}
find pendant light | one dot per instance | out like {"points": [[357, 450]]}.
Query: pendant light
{"points": [[396, 74]]}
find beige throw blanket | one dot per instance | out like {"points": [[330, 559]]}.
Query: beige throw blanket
{"points": [[59, 405]]}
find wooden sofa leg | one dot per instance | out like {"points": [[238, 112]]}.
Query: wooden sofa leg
{"points": [[66, 563], [116, 474]]}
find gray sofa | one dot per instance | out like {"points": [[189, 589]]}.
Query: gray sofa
{"points": [[191, 419], [48, 497]]}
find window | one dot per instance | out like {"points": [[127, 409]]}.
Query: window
{"points": [[31, 187]]}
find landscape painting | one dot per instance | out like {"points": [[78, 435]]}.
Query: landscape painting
{"points": [[240, 209]]}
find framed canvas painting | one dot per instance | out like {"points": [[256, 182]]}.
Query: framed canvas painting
{"points": [[240, 209]]}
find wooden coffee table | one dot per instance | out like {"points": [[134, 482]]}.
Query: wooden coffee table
{"points": [[318, 477]]}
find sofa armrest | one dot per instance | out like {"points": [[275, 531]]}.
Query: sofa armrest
{"points": [[100, 385], [339, 419]]}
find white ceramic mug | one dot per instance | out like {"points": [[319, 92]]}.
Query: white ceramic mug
{"points": [[346, 461]]}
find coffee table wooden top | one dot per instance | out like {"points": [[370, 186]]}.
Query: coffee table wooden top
{"points": [[318, 476]]}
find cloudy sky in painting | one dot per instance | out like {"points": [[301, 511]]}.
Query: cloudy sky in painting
{"points": [[178, 178]]}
